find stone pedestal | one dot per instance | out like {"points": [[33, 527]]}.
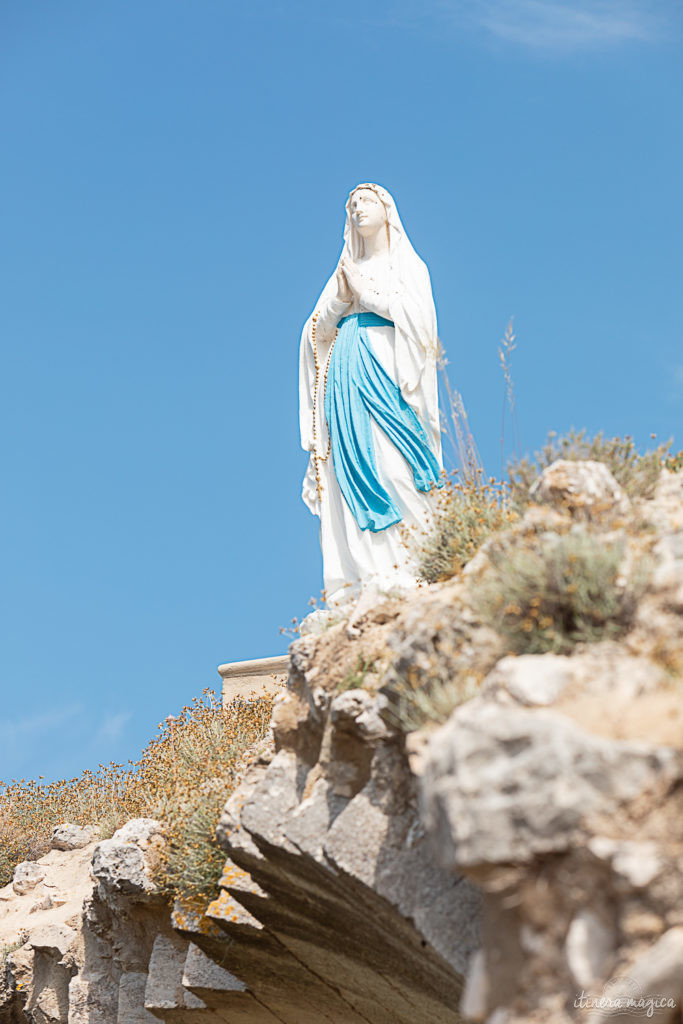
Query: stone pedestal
{"points": [[253, 678]]}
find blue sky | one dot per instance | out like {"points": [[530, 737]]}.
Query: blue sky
{"points": [[173, 183]]}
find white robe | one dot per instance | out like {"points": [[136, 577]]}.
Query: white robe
{"points": [[397, 288], [354, 558]]}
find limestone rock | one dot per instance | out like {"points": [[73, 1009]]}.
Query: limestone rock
{"points": [[667, 507], [131, 1005], [585, 489], [319, 620], [45, 903], [505, 784], [476, 992], [668, 573], [52, 937], [590, 943], [164, 989], [607, 668], [637, 863], [124, 864], [201, 973], [72, 837], [93, 1000], [27, 876], [360, 713], [530, 679], [301, 654], [600, 674], [347, 883], [656, 975]]}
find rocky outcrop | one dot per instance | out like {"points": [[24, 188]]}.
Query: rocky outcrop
{"points": [[124, 865], [507, 784], [585, 489], [559, 790], [38, 927], [352, 911], [107, 951], [27, 876], [521, 862], [332, 906], [72, 837], [575, 840]]}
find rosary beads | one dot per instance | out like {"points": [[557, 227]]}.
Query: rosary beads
{"points": [[317, 457]]}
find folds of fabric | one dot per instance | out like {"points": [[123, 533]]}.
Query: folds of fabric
{"points": [[358, 388]]}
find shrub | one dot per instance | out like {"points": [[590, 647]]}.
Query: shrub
{"points": [[190, 771], [12, 947], [465, 515], [30, 810], [416, 701], [183, 778], [553, 592], [442, 665], [637, 474], [355, 677]]}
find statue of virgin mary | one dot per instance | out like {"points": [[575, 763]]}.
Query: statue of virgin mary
{"points": [[369, 411]]}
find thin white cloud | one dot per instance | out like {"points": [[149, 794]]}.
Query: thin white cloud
{"points": [[676, 383], [36, 726], [112, 727], [42, 738], [543, 25], [566, 24]]}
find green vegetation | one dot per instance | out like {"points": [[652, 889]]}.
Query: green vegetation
{"points": [[558, 590], [355, 677], [12, 947], [416, 701]]}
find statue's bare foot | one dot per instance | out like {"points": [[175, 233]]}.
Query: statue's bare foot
{"points": [[365, 602]]}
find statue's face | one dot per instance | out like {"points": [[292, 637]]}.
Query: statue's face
{"points": [[367, 212]]}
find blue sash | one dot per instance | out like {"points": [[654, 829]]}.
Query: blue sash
{"points": [[358, 387]]}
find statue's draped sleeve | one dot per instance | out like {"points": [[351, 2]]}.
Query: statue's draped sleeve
{"points": [[416, 345], [330, 311]]}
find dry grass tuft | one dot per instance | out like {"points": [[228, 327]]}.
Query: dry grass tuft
{"points": [[416, 701], [466, 515], [182, 778], [558, 590]]}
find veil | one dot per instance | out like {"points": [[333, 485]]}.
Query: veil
{"points": [[412, 310]]}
